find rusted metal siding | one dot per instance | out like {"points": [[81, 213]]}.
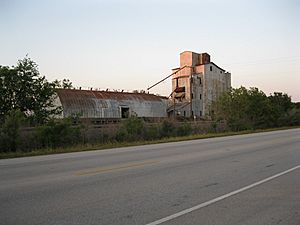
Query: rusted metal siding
{"points": [[102, 104]]}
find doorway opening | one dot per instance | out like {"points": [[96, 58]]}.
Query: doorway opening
{"points": [[124, 112]]}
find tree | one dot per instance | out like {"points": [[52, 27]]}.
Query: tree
{"points": [[281, 106], [64, 84], [231, 106], [259, 109], [250, 109], [23, 88], [282, 101], [244, 109]]}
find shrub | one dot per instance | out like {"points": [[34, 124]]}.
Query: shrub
{"points": [[121, 135], [58, 134], [167, 129], [152, 133], [132, 129], [184, 130], [10, 131]]}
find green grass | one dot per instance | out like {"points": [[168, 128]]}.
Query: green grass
{"points": [[89, 147]]}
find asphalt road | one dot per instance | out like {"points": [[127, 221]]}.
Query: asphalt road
{"points": [[245, 179]]}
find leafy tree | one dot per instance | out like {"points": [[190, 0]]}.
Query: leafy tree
{"points": [[64, 84], [281, 106], [292, 118], [282, 101], [243, 108], [231, 106], [258, 109], [23, 88], [250, 109]]}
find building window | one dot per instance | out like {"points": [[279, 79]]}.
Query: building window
{"points": [[210, 68], [220, 71], [184, 113], [200, 80], [200, 113], [200, 96], [192, 96]]}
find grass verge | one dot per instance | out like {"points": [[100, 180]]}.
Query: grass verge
{"points": [[89, 147]]}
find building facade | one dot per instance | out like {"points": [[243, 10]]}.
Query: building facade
{"points": [[110, 105], [196, 84]]}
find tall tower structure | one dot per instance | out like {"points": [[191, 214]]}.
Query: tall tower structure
{"points": [[196, 84]]}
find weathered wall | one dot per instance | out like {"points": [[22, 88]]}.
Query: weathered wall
{"points": [[188, 58], [203, 81], [93, 104], [215, 82], [193, 95], [197, 95]]}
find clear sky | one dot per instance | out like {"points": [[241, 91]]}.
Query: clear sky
{"points": [[131, 44]]}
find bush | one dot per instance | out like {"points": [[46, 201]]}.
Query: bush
{"points": [[103, 138], [184, 129], [167, 129], [152, 133], [214, 127], [132, 130], [58, 134], [10, 131], [121, 135]]}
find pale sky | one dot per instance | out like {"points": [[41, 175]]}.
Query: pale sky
{"points": [[131, 44]]}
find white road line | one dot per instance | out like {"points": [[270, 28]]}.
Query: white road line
{"points": [[204, 204]]}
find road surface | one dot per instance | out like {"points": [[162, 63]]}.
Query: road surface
{"points": [[245, 179]]}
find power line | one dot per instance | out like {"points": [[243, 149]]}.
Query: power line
{"points": [[269, 60]]}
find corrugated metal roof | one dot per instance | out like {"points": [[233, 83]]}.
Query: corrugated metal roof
{"points": [[105, 104], [76, 94]]}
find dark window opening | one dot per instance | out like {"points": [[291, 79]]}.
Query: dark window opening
{"points": [[124, 112], [200, 113], [184, 113], [200, 96], [176, 82], [192, 96], [179, 89], [210, 68], [200, 80]]}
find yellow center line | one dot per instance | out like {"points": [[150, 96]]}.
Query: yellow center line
{"points": [[104, 170]]}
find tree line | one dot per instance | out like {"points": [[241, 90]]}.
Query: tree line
{"points": [[251, 108]]}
